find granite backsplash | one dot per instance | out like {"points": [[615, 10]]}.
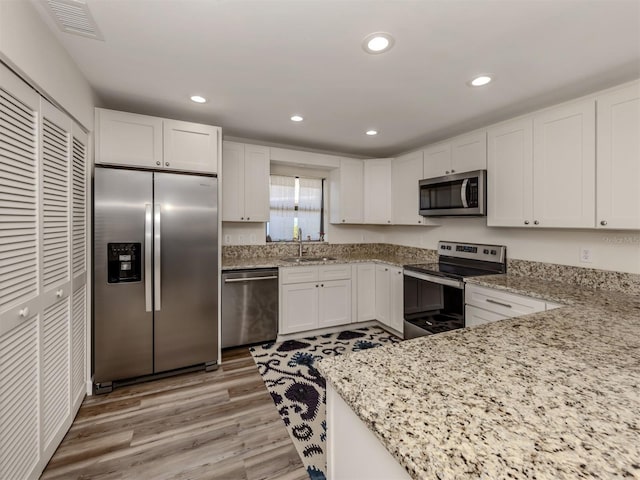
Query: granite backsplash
{"points": [[586, 277]]}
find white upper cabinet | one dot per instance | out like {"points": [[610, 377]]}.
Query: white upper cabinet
{"points": [[245, 182], [191, 147], [510, 174], [377, 191], [469, 152], [346, 192], [541, 169], [406, 172], [437, 160], [564, 166], [134, 140], [128, 139], [461, 154], [618, 165]]}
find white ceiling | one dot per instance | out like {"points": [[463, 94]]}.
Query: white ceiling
{"points": [[260, 61]]}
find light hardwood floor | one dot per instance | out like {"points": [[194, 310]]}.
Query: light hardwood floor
{"points": [[216, 425]]}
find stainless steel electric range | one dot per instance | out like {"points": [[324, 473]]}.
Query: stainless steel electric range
{"points": [[434, 292]]}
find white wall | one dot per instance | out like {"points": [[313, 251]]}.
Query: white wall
{"points": [[610, 250], [28, 45]]}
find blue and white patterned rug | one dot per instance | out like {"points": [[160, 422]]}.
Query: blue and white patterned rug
{"points": [[299, 391]]}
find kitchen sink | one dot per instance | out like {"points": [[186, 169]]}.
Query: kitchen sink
{"points": [[307, 259]]}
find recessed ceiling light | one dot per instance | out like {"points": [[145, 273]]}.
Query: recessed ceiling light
{"points": [[198, 99], [371, 133], [378, 42], [297, 118], [480, 80]]}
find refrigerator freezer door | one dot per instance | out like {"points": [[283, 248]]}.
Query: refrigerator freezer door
{"points": [[186, 323], [123, 327]]}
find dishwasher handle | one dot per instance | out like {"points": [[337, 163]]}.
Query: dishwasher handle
{"points": [[249, 279]]}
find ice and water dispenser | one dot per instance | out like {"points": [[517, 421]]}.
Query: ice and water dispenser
{"points": [[124, 262]]}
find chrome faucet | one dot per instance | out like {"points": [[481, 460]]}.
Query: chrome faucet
{"points": [[299, 242]]}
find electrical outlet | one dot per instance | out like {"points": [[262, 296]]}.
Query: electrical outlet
{"points": [[241, 239], [227, 239], [585, 255]]}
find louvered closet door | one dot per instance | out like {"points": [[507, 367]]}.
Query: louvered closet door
{"points": [[79, 183], [19, 303], [55, 380]]}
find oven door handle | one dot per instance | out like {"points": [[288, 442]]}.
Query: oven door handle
{"points": [[449, 282]]}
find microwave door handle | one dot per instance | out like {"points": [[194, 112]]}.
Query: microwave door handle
{"points": [[463, 193]]}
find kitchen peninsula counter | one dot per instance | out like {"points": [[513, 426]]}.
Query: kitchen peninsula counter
{"points": [[554, 394]]}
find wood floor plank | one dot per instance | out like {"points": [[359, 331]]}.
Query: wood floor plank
{"points": [[219, 425]]}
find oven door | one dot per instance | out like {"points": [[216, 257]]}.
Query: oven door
{"points": [[432, 304], [454, 195]]}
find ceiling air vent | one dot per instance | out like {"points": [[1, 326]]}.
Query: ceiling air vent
{"points": [[73, 16]]}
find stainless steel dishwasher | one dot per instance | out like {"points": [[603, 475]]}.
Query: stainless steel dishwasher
{"points": [[249, 306]]}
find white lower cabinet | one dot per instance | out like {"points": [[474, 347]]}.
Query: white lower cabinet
{"points": [[366, 292], [314, 297], [477, 316], [486, 305], [389, 296], [353, 451], [334, 303]]}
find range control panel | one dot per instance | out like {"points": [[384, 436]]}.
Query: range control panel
{"points": [[124, 262], [474, 251]]}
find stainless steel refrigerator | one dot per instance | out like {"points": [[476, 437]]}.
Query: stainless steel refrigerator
{"points": [[155, 274]]}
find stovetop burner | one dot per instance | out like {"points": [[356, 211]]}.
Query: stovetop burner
{"points": [[460, 260], [450, 270]]}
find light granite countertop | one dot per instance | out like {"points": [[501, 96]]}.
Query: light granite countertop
{"points": [[235, 263], [549, 395]]}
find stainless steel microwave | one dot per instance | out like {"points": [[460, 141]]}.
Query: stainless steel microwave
{"points": [[462, 194]]}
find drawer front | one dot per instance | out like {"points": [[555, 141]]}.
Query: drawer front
{"points": [[298, 274], [503, 303], [335, 272], [477, 316]]}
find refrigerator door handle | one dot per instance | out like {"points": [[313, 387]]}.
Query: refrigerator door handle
{"points": [[156, 257], [148, 230]]}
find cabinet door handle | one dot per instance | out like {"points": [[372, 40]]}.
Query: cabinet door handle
{"points": [[343, 220], [248, 218], [59, 293], [536, 222], [499, 303], [322, 285], [603, 222], [316, 286], [167, 164], [526, 222], [158, 162], [24, 312], [388, 221], [447, 172], [453, 171], [241, 218]]}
